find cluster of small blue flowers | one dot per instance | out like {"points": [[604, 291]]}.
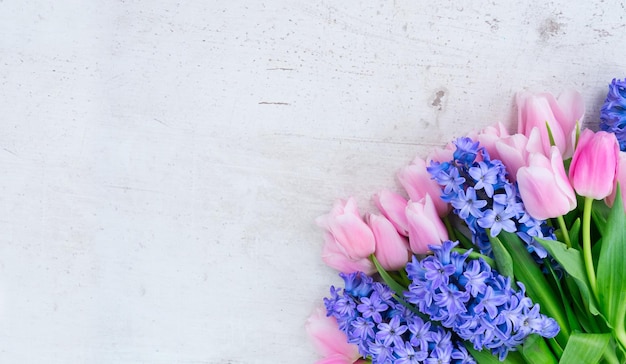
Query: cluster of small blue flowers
{"points": [[477, 303], [478, 189], [613, 113], [387, 331]]}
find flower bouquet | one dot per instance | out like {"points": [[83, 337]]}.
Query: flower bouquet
{"points": [[510, 248]]}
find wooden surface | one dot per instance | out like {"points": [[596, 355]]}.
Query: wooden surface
{"points": [[163, 162]]}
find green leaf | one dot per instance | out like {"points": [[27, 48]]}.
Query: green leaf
{"points": [[599, 214], [611, 274], [572, 261], [504, 261], [574, 234], [536, 351], [585, 348], [537, 287], [571, 318], [464, 240], [398, 288], [392, 283]]}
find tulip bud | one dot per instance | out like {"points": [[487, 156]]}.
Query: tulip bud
{"points": [[349, 230], [512, 152], [329, 340], [544, 187], [425, 226], [418, 183], [489, 137], [393, 207], [392, 250], [537, 110], [594, 164], [335, 257]]}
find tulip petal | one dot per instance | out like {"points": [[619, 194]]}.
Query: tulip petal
{"points": [[328, 339]]}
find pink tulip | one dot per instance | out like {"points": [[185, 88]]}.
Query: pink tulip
{"points": [[335, 257], [535, 110], [544, 187], [418, 183], [393, 207], [514, 150], [489, 136], [594, 164], [329, 341], [621, 178], [442, 154], [425, 226], [349, 230], [392, 250]]}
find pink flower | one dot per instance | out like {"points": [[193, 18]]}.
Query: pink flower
{"points": [[489, 136], [535, 110], [514, 150], [544, 187], [329, 341], [418, 183], [441, 155], [393, 207], [594, 164], [392, 250], [335, 257], [620, 177], [425, 226], [351, 233]]}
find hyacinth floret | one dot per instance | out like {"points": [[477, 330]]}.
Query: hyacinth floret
{"points": [[387, 331], [613, 112], [475, 302], [478, 189]]}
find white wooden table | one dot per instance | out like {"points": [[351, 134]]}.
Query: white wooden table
{"points": [[163, 161]]}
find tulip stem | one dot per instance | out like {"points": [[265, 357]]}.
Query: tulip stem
{"points": [[564, 230], [591, 274], [451, 232]]}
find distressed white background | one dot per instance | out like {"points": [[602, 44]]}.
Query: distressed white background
{"points": [[162, 162]]}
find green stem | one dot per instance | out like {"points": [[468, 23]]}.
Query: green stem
{"points": [[451, 232], [591, 274], [564, 230]]}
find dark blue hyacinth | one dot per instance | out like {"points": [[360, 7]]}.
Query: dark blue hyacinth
{"points": [[613, 113], [478, 189], [474, 301], [387, 331]]}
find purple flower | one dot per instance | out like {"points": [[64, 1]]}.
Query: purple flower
{"points": [[467, 203], [372, 307], [498, 219], [406, 354], [400, 337], [613, 113], [477, 303], [475, 277], [391, 332], [485, 177]]}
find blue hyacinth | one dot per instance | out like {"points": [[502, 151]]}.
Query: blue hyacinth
{"points": [[478, 189], [387, 331], [474, 301], [613, 113]]}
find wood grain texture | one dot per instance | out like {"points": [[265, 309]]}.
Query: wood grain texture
{"points": [[163, 162]]}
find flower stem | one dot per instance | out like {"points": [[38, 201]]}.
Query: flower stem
{"points": [[451, 232], [591, 274], [564, 230]]}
